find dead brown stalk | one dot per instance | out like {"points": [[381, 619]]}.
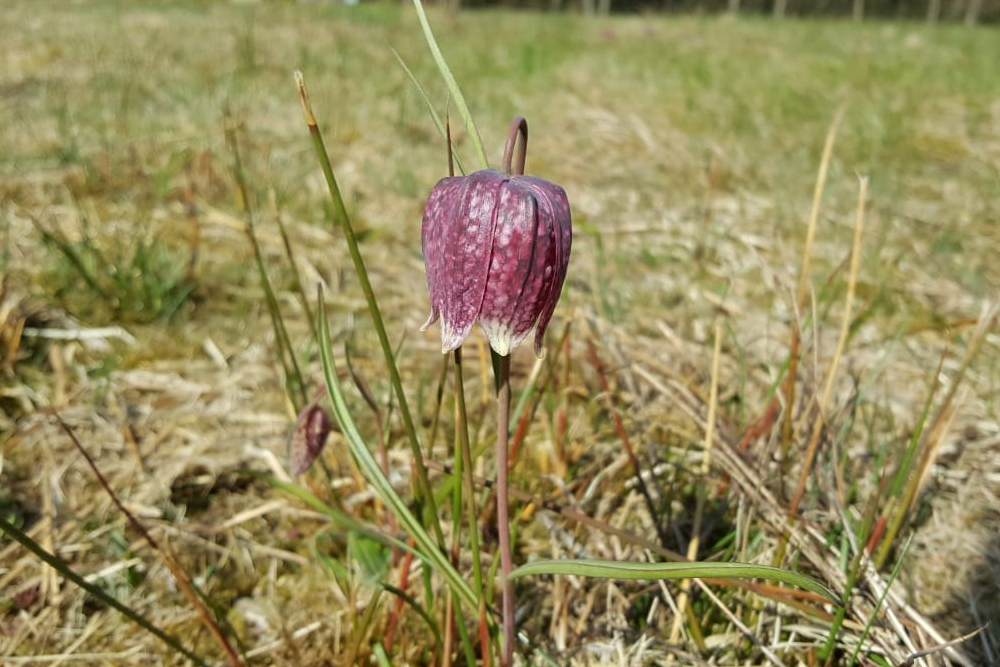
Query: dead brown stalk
{"points": [[183, 583]]}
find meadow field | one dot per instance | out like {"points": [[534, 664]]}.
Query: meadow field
{"points": [[689, 147]]}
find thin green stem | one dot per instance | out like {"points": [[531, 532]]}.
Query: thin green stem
{"points": [[463, 631], [881, 601], [472, 511], [503, 521], [63, 568], [449, 79], [826, 653], [430, 107], [343, 218], [439, 400], [283, 341], [301, 288]]}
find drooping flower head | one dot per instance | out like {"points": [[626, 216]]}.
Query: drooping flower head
{"points": [[496, 248]]}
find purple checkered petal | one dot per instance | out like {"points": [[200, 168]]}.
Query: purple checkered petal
{"points": [[457, 234], [522, 267], [496, 249], [554, 213], [438, 210]]}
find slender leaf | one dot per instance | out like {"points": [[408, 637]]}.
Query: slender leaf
{"points": [[344, 221], [421, 612], [373, 473], [342, 520], [449, 79], [96, 591], [599, 569], [438, 123], [380, 656]]}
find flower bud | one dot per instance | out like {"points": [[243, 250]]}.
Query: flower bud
{"points": [[308, 438]]}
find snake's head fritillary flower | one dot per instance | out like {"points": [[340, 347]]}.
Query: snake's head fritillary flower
{"points": [[496, 248]]}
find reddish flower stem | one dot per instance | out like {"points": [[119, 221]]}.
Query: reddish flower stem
{"points": [[484, 633], [397, 610], [503, 521]]}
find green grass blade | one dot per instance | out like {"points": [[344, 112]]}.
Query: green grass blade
{"points": [[526, 393], [438, 123], [342, 520], [449, 79], [373, 473], [344, 220], [600, 569], [911, 450], [380, 657], [96, 591], [295, 384], [421, 612], [77, 262], [472, 511], [881, 601], [463, 635]]}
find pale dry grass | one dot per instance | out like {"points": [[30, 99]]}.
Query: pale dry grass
{"points": [[690, 176]]}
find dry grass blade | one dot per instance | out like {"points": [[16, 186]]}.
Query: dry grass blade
{"points": [[706, 463], [654, 515], [187, 588], [831, 375], [800, 292], [878, 605], [64, 568], [744, 630], [912, 658]]}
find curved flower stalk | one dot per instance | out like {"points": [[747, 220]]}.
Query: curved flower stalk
{"points": [[496, 248]]}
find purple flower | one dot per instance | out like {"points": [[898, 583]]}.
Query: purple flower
{"points": [[496, 249]]}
